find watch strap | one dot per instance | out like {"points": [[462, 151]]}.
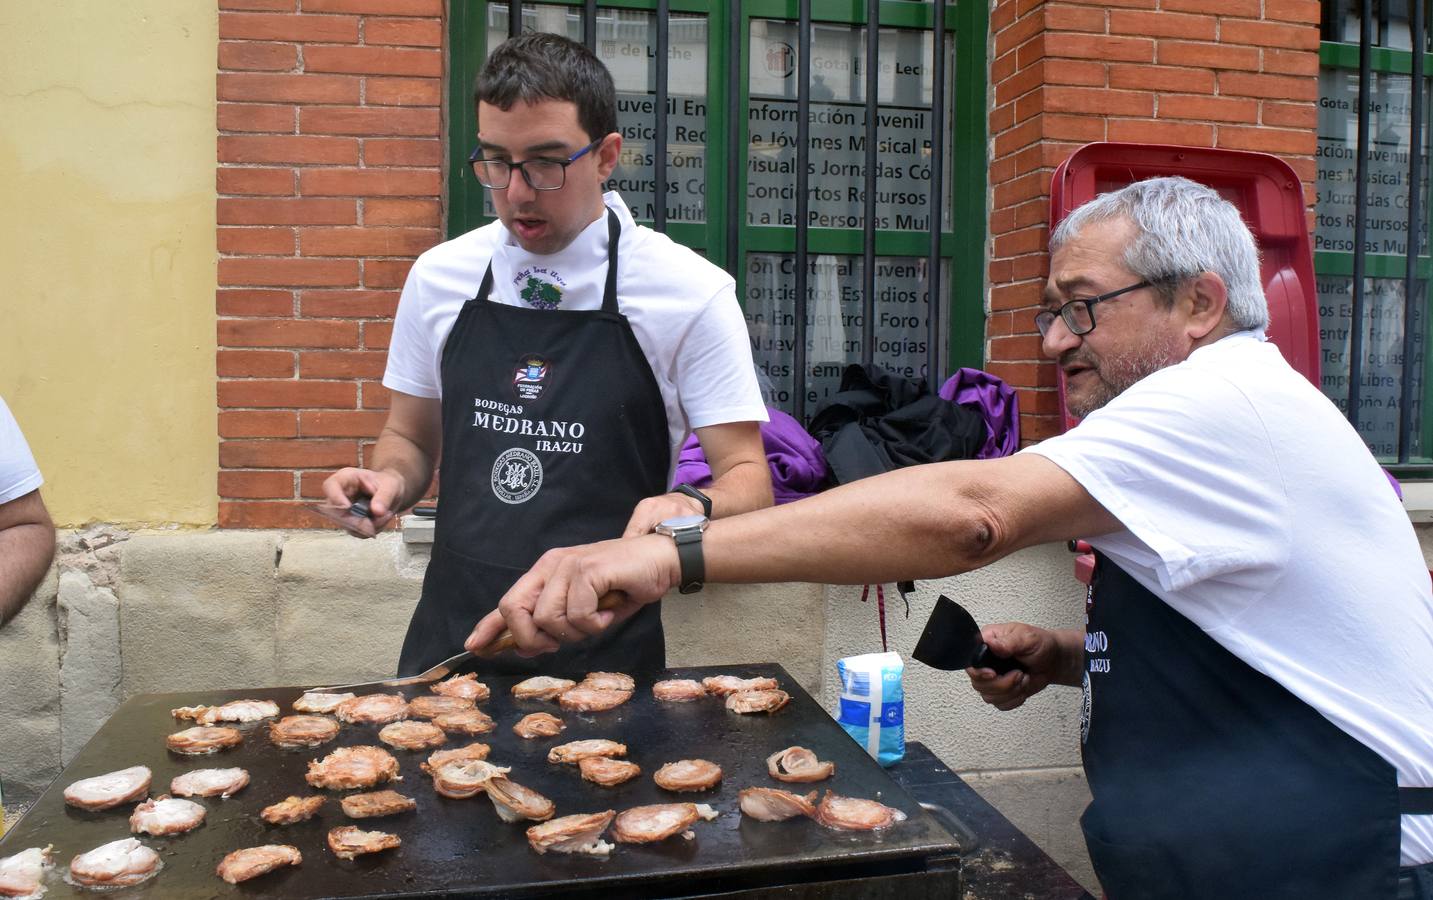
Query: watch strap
{"points": [[692, 562], [696, 495]]}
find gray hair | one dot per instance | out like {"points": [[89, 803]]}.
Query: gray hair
{"points": [[1182, 228]]}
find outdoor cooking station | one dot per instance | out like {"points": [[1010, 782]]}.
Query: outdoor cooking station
{"points": [[951, 845]]}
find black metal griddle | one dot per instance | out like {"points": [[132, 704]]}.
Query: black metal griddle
{"points": [[461, 847]]}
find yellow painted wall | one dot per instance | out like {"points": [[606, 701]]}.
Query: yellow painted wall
{"points": [[107, 253]]}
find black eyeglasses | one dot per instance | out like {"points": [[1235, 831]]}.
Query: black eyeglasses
{"points": [[541, 174], [1078, 313]]}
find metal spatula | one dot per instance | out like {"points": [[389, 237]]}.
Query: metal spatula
{"points": [[500, 644]]}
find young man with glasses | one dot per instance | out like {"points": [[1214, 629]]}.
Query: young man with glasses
{"points": [[556, 359], [1257, 660]]}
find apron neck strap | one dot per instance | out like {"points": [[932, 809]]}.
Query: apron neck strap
{"points": [[609, 291]]}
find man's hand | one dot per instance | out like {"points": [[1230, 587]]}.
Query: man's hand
{"points": [[556, 601], [385, 490], [663, 506], [1045, 654]]}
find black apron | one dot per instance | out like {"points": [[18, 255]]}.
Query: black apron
{"points": [[553, 430], [1212, 780]]}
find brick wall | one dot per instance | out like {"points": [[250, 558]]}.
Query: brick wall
{"points": [[1238, 74], [329, 183]]}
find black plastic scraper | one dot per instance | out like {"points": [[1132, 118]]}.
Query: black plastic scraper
{"points": [[951, 641]]}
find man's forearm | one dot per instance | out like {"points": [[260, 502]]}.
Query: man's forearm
{"points": [[742, 488], [25, 554], [1071, 642], [399, 455], [919, 522]]}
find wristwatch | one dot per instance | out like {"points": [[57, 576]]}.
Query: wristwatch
{"points": [[696, 495], [687, 532]]}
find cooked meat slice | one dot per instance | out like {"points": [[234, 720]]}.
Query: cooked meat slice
{"points": [[319, 702], [722, 685], [122, 862], [295, 732], [757, 701], [233, 711], [582, 699], [22, 876], [678, 690], [575, 751], [608, 681], [853, 814], [203, 739], [536, 725], [349, 841], [473, 751], [166, 815], [608, 772], [293, 809], [375, 709], [464, 778], [378, 803], [797, 764], [468, 721], [109, 790], [412, 735], [688, 775], [221, 783], [427, 707], [352, 767], [645, 824], [251, 862], [775, 805], [466, 686], [581, 833], [541, 687], [514, 802]]}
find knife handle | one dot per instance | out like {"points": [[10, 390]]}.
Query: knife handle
{"points": [[985, 658], [505, 641]]}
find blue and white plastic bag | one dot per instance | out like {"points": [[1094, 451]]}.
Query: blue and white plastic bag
{"points": [[873, 704]]}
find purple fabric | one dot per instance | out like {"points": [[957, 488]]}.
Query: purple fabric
{"points": [[996, 401], [797, 466]]}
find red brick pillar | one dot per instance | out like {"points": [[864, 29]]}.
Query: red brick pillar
{"points": [[329, 182], [1241, 74]]}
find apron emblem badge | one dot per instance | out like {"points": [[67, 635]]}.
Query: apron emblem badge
{"points": [[517, 475], [527, 379]]}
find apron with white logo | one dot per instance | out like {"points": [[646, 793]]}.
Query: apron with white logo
{"points": [[553, 430]]}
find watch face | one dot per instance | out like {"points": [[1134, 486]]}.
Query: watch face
{"points": [[678, 523]]}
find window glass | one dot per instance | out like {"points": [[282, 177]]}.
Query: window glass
{"points": [[835, 318], [1381, 367], [1386, 170], [837, 161]]}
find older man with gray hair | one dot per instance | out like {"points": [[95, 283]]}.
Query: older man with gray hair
{"points": [[1257, 660]]}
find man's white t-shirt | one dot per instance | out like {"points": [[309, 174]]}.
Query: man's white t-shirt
{"points": [[18, 473], [1255, 510], [682, 309]]}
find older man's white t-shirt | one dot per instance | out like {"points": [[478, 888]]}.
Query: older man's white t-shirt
{"points": [[18, 473]]}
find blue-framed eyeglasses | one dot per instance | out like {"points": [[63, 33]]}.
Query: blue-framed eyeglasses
{"points": [[1079, 313], [541, 174]]}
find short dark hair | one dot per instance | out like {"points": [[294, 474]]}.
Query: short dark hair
{"points": [[540, 66]]}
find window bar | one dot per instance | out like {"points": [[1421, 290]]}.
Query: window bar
{"points": [[734, 134], [1412, 296], [937, 190], [659, 142], [514, 18], [589, 24], [803, 202], [1360, 210], [868, 257]]}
